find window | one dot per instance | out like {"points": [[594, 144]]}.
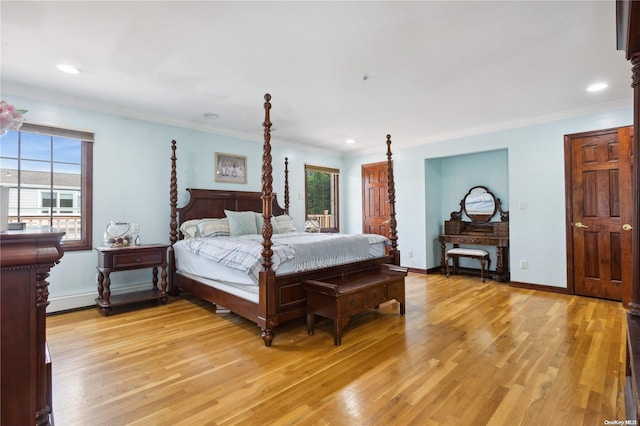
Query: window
{"points": [[49, 172], [321, 190], [60, 202]]}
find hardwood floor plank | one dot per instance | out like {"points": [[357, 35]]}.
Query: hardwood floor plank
{"points": [[465, 353]]}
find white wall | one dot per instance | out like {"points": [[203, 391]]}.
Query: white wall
{"points": [[535, 175]]}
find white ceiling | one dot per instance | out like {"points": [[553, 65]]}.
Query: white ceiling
{"points": [[422, 71]]}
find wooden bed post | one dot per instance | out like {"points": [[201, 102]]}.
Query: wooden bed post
{"points": [[286, 185], [173, 223], [173, 196], [267, 276], [391, 190], [267, 188]]}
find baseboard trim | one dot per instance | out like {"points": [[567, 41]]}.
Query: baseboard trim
{"points": [[418, 270], [539, 287], [515, 284], [87, 299]]}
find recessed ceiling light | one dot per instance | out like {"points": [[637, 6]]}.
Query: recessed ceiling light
{"points": [[210, 115], [69, 69], [596, 87], [350, 141]]}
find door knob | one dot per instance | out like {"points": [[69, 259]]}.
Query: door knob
{"points": [[580, 225], [386, 222], [627, 227]]}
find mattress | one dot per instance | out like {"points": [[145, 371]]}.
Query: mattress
{"points": [[194, 264]]}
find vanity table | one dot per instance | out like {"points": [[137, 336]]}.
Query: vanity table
{"points": [[480, 206]]}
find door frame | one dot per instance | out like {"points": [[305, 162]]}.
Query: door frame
{"points": [[627, 287]]}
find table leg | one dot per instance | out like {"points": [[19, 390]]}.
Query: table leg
{"points": [[155, 277], [100, 284], [163, 284], [499, 264], [106, 293]]}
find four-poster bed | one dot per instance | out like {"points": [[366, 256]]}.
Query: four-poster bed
{"points": [[277, 297]]}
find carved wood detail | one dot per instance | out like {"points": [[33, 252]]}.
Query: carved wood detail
{"points": [[391, 192], [286, 185], [267, 188]]}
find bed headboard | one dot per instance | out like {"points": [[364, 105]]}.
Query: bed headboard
{"points": [[211, 203]]}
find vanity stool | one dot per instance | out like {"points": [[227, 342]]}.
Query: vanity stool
{"points": [[455, 253]]}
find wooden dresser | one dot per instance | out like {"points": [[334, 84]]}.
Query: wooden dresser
{"points": [[26, 257]]}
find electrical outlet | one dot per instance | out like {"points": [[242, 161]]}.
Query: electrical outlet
{"points": [[410, 253], [135, 228], [524, 264]]}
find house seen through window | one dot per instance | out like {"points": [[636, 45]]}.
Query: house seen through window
{"points": [[48, 171], [321, 189]]}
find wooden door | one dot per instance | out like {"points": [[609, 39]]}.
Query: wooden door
{"points": [[375, 199], [600, 211]]}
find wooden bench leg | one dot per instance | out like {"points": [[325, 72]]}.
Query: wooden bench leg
{"points": [[482, 262], [337, 331], [311, 319], [446, 265]]}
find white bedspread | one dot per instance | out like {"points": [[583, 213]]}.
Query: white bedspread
{"points": [[241, 257]]}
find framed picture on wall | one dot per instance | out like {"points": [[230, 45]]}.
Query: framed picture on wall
{"points": [[231, 168]]}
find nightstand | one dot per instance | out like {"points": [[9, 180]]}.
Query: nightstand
{"points": [[126, 259]]}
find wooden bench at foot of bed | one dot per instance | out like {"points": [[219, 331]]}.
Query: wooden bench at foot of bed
{"points": [[340, 298]]}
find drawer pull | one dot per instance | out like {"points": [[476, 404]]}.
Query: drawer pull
{"points": [[353, 302], [375, 294], [138, 260]]}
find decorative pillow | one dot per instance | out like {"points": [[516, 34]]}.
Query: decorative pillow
{"points": [[190, 228], [285, 224], [260, 222], [213, 228], [241, 223]]}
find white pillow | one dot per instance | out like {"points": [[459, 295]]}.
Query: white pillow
{"points": [[205, 228], [285, 224], [190, 228], [214, 228], [241, 223]]}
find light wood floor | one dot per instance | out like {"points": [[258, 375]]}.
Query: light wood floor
{"points": [[466, 353]]}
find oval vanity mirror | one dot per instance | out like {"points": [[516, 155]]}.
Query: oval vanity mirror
{"points": [[479, 204]]}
